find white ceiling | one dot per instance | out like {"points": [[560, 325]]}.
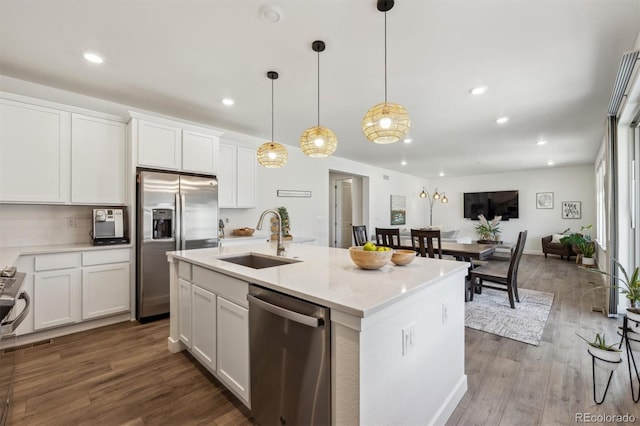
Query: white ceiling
{"points": [[549, 65]]}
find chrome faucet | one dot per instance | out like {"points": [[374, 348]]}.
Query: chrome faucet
{"points": [[280, 250]]}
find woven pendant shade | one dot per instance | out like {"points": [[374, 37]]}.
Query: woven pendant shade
{"points": [[318, 142], [386, 123], [272, 155]]}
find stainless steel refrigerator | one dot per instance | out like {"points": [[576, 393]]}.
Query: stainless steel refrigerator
{"points": [[175, 212]]}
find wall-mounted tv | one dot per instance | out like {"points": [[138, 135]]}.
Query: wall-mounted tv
{"points": [[491, 204]]}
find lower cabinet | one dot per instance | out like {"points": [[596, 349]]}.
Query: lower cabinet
{"points": [[56, 298], [233, 346], [184, 322], [203, 346], [105, 290]]}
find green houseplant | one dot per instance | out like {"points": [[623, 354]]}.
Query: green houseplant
{"points": [[606, 356], [488, 231], [582, 244], [284, 215], [630, 287]]}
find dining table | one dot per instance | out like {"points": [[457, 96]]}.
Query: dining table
{"points": [[468, 251]]}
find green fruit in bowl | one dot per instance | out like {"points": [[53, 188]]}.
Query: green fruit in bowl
{"points": [[369, 246]]}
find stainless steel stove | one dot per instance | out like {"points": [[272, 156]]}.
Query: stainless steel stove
{"points": [[11, 283]]}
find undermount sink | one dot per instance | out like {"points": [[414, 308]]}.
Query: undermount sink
{"points": [[257, 261]]}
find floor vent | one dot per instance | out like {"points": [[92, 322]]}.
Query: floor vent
{"points": [[27, 346]]}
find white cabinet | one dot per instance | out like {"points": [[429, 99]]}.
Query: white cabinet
{"points": [[159, 145], [97, 161], [184, 321], [35, 147], [105, 290], [56, 298], [237, 177], [169, 145], [233, 346], [200, 152], [203, 336]]}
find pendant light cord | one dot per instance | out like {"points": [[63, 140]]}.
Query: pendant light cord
{"points": [[318, 89], [385, 57], [272, 110]]}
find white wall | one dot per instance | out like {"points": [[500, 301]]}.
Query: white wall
{"points": [[575, 183], [310, 216]]}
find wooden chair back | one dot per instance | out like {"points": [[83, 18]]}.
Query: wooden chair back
{"points": [[388, 237], [427, 242], [512, 275], [360, 235]]}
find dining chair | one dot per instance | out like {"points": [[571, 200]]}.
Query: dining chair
{"points": [[360, 234], [388, 237], [495, 272], [424, 242]]}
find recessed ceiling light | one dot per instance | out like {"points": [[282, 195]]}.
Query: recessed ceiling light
{"points": [[550, 163], [541, 142], [478, 90], [404, 162], [408, 140], [502, 120], [93, 57], [270, 14], [228, 101], [441, 174]]}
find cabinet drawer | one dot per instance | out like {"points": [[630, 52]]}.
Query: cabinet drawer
{"points": [[184, 270], [223, 285], [48, 262], [101, 257]]}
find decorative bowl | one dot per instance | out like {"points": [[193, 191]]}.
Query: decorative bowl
{"points": [[369, 259], [243, 232], [403, 257]]}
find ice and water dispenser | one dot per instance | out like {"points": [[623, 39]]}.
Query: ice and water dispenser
{"points": [[162, 223]]}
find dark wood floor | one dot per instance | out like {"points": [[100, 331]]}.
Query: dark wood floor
{"points": [[124, 374]]}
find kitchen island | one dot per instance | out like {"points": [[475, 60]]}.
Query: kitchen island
{"points": [[397, 334]]}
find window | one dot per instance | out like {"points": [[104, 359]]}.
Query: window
{"points": [[601, 228]]}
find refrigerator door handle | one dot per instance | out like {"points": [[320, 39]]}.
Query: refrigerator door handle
{"points": [[178, 225], [183, 240]]}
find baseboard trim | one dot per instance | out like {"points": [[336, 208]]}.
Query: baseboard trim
{"points": [[451, 402]]}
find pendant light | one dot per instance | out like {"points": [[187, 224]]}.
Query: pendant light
{"points": [[386, 122], [272, 154], [318, 141]]}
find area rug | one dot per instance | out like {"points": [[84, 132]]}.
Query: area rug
{"points": [[490, 312]]}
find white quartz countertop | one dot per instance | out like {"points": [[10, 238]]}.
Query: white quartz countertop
{"points": [[327, 276], [9, 255]]}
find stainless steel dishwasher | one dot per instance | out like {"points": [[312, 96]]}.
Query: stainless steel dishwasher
{"points": [[290, 353]]}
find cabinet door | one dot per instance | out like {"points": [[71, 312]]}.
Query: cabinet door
{"points": [[203, 344], [233, 346], [200, 152], [97, 161], [35, 147], [184, 320], [56, 298], [246, 177], [159, 145], [105, 290], [227, 176]]}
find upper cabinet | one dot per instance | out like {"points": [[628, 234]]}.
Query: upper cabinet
{"points": [[51, 154], [167, 145], [35, 147], [237, 177], [97, 161]]}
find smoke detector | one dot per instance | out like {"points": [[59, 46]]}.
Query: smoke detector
{"points": [[270, 14]]}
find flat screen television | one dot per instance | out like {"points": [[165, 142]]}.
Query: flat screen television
{"points": [[491, 204]]}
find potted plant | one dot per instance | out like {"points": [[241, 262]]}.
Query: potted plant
{"points": [[630, 287], [489, 231], [588, 249], [284, 216], [606, 356], [581, 242]]}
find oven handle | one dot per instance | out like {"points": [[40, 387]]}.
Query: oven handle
{"points": [[10, 326]]}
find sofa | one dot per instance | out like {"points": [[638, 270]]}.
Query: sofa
{"points": [[551, 245]]}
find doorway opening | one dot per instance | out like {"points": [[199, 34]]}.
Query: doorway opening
{"points": [[348, 206]]}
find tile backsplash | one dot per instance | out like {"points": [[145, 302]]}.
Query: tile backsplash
{"points": [[35, 225]]}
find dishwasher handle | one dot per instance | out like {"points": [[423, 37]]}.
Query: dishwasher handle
{"points": [[286, 313]]}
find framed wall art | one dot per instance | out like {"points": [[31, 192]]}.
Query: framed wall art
{"points": [[544, 200], [572, 209], [398, 210]]}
